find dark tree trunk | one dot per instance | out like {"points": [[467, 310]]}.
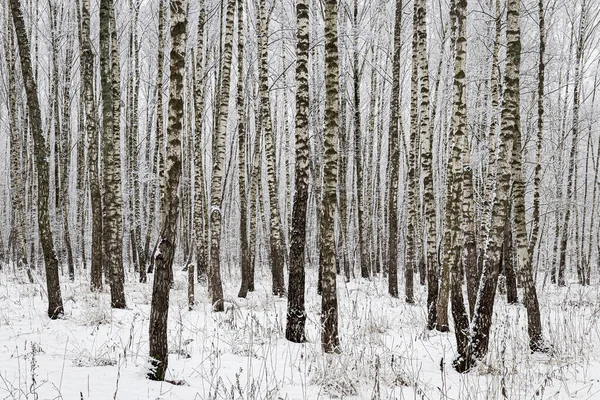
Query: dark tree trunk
{"points": [[170, 204], [394, 154], [55, 304], [296, 314], [329, 304]]}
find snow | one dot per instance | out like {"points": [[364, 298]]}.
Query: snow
{"points": [[99, 353]]}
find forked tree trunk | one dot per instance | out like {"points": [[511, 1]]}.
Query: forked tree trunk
{"points": [[55, 304], [510, 127], [454, 217]]}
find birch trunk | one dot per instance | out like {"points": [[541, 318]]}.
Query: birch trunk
{"points": [[276, 248], [170, 204], [573, 152], [454, 225], [159, 156], [510, 127], [91, 128], [411, 245], [365, 268], [296, 313], [65, 157], [329, 304], [540, 129], [244, 249], [55, 304], [492, 150], [394, 154], [112, 222], [218, 162], [16, 185], [200, 212]]}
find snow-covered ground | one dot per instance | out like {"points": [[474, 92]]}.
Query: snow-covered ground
{"points": [[99, 353]]}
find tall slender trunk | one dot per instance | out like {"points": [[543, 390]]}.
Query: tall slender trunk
{"points": [[573, 152], [411, 244], [524, 255], [427, 168], [276, 248], [82, 162], [16, 184], [365, 271], [112, 229], [65, 156], [535, 227], [218, 162], [587, 268], [135, 218], [170, 202], [561, 145], [329, 304], [394, 154], [255, 198], [296, 313], [55, 304], [91, 128], [242, 151], [200, 212], [159, 149], [344, 262], [492, 150]]}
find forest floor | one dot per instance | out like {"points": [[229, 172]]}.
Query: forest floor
{"points": [[99, 353]]}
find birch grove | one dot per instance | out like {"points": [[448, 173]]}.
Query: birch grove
{"points": [[448, 150]]}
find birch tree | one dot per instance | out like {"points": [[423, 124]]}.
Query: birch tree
{"points": [[112, 226], [200, 201], [276, 248], [244, 250], [218, 163], [510, 127], [55, 304], [394, 150], [453, 244], [170, 208], [329, 304], [296, 313]]}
